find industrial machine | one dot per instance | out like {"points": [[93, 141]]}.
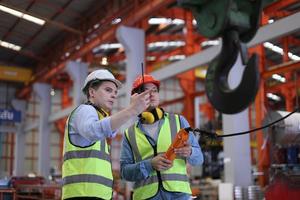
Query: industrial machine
{"points": [[284, 139]]}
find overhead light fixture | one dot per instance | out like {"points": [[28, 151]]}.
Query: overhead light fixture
{"points": [[176, 57], [104, 61], [107, 46], [116, 21], [10, 45], [52, 92], [156, 21], [210, 43], [22, 15], [194, 22], [67, 54], [270, 21], [279, 50], [162, 20], [151, 58], [111, 46], [96, 26], [77, 47], [177, 21], [279, 78], [177, 43], [273, 96]]}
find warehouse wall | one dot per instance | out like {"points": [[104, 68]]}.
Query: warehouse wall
{"points": [[6, 139], [32, 136]]}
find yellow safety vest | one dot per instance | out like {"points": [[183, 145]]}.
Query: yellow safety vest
{"points": [[173, 179], [86, 171]]}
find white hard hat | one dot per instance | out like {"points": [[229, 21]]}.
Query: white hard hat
{"points": [[101, 74]]}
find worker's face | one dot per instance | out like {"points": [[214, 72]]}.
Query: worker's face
{"points": [[154, 95], [105, 95]]}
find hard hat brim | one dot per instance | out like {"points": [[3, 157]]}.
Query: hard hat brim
{"points": [[115, 81]]}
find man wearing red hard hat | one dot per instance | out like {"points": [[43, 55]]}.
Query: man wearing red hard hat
{"points": [[140, 80], [142, 157]]}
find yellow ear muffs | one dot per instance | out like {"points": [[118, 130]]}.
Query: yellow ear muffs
{"points": [[159, 112], [149, 117]]}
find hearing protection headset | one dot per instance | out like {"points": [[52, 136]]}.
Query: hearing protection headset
{"points": [[149, 117], [155, 114]]}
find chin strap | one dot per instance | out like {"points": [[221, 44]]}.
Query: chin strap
{"points": [[152, 116]]}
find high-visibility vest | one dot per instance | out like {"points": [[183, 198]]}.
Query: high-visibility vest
{"points": [[86, 171], [174, 179]]}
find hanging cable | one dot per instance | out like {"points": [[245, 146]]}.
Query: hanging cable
{"points": [[215, 135]]}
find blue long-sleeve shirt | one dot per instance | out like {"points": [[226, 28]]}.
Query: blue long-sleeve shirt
{"points": [[86, 128], [132, 171]]}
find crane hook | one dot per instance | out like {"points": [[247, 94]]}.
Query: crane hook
{"points": [[222, 97]]}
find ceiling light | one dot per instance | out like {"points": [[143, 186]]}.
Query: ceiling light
{"points": [[177, 21], [10, 45], [279, 50], [279, 78], [177, 43], [116, 21], [157, 21], [176, 57], [67, 54], [104, 61], [273, 96], [96, 26], [77, 47], [270, 21], [107, 46], [22, 15], [52, 92], [210, 43], [194, 22], [151, 58], [293, 56], [110, 46]]}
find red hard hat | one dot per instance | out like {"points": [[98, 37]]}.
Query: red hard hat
{"points": [[147, 79]]}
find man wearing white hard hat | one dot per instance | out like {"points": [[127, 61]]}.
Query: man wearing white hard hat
{"points": [[86, 168]]}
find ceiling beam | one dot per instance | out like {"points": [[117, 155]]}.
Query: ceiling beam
{"points": [[282, 68], [26, 53], [279, 28], [32, 38], [145, 9], [16, 22], [279, 5], [48, 21]]}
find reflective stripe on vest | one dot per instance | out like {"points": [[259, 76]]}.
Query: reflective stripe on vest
{"points": [[87, 154], [173, 179], [166, 177], [91, 178], [86, 170]]}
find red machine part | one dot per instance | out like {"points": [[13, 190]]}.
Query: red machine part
{"points": [[284, 188]]}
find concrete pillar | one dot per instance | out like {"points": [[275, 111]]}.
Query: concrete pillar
{"points": [[133, 41], [237, 162], [78, 72], [197, 102], [43, 92], [19, 160]]}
